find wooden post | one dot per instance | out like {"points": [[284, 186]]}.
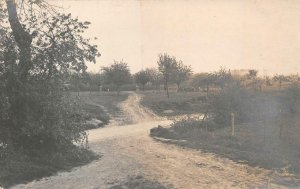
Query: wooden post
{"points": [[232, 124], [264, 126]]}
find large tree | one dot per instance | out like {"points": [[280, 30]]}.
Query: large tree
{"points": [[38, 47], [181, 73], [118, 74], [203, 80], [222, 78], [142, 78], [167, 66], [156, 78]]}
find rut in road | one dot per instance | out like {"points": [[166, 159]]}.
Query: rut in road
{"points": [[129, 151]]}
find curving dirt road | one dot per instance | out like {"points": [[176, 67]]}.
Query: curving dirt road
{"points": [[129, 151]]}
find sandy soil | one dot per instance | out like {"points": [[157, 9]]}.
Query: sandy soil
{"points": [[128, 151]]}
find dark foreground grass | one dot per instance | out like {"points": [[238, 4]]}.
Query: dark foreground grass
{"points": [[139, 182], [17, 168], [179, 102]]}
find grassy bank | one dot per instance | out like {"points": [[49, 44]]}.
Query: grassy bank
{"points": [[102, 106], [17, 168], [255, 144], [139, 182], [179, 103], [267, 132]]}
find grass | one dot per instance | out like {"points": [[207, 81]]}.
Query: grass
{"points": [[179, 102], [139, 182], [256, 144], [102, 106], [263, 136], [17, 168]]}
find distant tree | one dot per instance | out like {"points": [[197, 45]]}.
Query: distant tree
{"points": [[117, 74], [294, 78], [167, 66], [181, 73], [95, 80], [268, 81], [252, 76], [222, 78], [156, 77], [203, 80], [280, 79], [142, 78]]}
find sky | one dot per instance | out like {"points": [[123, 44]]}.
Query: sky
{"points": [[206, 34]]}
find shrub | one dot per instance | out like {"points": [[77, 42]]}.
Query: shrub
{"points": [[290, 101]]}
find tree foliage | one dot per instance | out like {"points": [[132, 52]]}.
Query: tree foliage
{"points": [[38, 47], [167, 66], [181, 73], [118, 74], [203, 80], [156, 77], [142, 78], [172, 70], [280, 79]]}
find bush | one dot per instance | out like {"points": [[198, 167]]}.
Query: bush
{"points": [[247, 105], [18, 168], [51, 120], [290, 101], [162, 132]]}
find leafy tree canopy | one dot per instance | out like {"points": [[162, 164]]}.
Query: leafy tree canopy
{"points": [[117, 74], [38, 47]]}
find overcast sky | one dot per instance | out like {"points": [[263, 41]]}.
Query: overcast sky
{"points": [[206, 34]]}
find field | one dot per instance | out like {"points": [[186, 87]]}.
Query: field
{"points": [[102, 106], [179, 103]]}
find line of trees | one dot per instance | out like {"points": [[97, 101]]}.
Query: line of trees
{"points": [[169, 71]]}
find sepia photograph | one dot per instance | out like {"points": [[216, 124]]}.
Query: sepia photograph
{"points": [[149, 94]]}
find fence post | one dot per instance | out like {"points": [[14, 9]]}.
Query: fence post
{"points": [[232, 124]]}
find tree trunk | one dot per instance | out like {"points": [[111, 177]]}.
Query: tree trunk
{"points": [[280, 83], [168, 92], [207, 88], [167, 88], [178, 86], [18, 84], [23, 40]]}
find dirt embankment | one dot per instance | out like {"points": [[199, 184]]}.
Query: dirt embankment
{"points": [[129, 152]]}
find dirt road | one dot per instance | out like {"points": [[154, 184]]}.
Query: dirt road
{"points": [[128, 151]]}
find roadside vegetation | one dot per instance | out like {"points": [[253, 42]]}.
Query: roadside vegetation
{"points": [[40, 124], [100, 108], [265, 131], [139, 182]]}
